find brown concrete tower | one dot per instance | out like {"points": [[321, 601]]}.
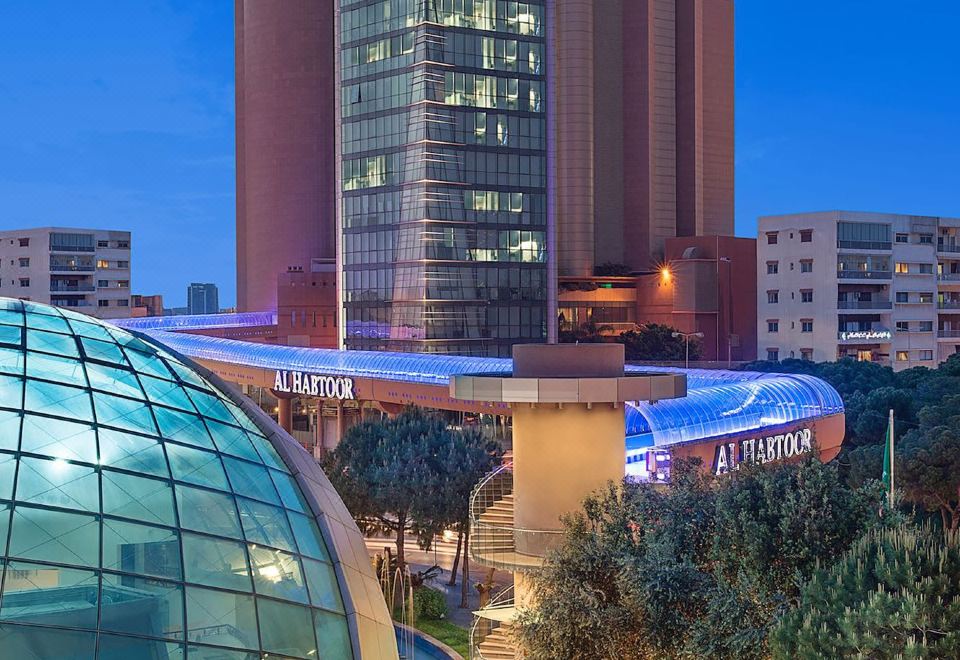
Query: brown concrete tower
{"points": [[286, 156]]}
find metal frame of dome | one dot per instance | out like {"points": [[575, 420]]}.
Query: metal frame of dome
{"points": [[70, 463]]}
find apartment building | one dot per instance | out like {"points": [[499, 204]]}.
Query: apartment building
{"points": [[87, 270], [870, 286]]}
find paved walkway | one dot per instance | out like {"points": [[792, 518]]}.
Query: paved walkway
{"points": [[443, 555]]}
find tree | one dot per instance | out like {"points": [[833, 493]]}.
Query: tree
{"points": [[655, 341], [406, 474], [895, 594], [701, 569], [611, 269], [928, 462]]}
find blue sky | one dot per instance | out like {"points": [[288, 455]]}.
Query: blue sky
{"points": [[121, 115]]}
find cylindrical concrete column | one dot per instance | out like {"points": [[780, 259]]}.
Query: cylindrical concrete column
{"points": [[285, 414]]}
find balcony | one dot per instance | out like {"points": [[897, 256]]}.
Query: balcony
{"points": [[948, 248], [864, 274], [949, 305], [491, 636], [72, 268], [948, 334], [72, 288], [949, 278], [864, 304], [872, 336], [494, 538], [864, 245]]}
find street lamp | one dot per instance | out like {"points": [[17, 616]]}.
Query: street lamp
{"points": [[686, 338]]}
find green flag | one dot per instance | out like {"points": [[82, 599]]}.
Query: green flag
{"points": [[888, 458]]}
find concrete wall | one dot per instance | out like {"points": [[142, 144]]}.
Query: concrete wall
{"points": [[286, 118]]}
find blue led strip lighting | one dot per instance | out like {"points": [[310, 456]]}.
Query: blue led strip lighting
{"points": [[718, 402]]}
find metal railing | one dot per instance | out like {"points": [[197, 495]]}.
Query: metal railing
{"points": [[948, 334], [949, 277], [864, 245], [943, 247], [72, 288], [864, 304], [948, 304], [494, 536], [71, 268], [865, 274], [484, 626]]}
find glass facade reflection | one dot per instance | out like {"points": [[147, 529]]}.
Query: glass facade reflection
{"points": [[442, 147], [143, 514]]}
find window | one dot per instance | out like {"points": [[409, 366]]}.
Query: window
{"points": [[773, 326], [903, 356], [926, 297], [24, 262], [902, 268], [925, 326], [863, 235], [24, 281], [903, 326], [926, 239], [806, 295], [773, 267], [102, 283], [806, 235], [806, 325], [806, 265], [903, 238], [123, 264], [123, 245], [903, 296], [103, 263], [123, 283], [806, 354], [24, 242], [773, 354], [926, 355], [926, 269], [103, 303], [103, 244], [123, 303], [771, 238], [773, 297]]}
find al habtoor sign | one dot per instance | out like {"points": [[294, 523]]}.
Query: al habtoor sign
{"points": [[759, 451], [323, 387]]}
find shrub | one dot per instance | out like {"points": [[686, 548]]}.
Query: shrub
{"points": [[429, 603]]}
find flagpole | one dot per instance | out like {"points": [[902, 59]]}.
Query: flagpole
{"points": [[892, 461]]}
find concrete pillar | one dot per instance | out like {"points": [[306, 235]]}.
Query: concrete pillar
{"points": [[285, 414], [341, 423]]}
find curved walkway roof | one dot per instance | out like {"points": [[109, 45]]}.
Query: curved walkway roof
{"points": [[718, 402]]}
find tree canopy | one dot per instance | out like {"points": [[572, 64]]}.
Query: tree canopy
{"points": [[409, 474], [700, 569]]}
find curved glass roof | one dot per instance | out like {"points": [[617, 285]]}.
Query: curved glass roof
{"points": [[718, 402], [143, 513]]}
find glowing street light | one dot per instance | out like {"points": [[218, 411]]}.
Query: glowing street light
{"points": [[686, 337]]}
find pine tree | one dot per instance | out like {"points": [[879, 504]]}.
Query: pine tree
{"points": [[895, 594]]}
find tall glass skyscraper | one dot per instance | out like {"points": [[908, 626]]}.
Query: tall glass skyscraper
{"points": [[442, 157]]}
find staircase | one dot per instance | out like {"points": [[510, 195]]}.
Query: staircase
{"points": [[497, 645], [494, 533]]}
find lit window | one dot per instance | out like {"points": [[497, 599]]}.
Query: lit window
{"points": [[902, 268], [903, 356], [103, 263]]}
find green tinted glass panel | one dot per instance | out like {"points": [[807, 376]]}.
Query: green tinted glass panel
{"points": [[232, 440], [135, 548], [10, 430], [55, 482], [11, 359], [33, 643], [286, 628], [102, 350], [333, 636], [251, 480], [123, 413], [309, 538], [196, 466], [8, 467], [129, 496], [70, 402], [142, 606], [50, 342], [277, 574], [58, 536], [132, 452], [208, 511], [215, 562], [59, 438], [182, 427], [54, 367], [322, 583], [11, 392], [221, 618], [289, 491], [65, 595], [265, 524], [113, 380]]}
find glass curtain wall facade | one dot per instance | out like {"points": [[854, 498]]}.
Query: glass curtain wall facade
{"points": [[143, 514], [443, 175]]}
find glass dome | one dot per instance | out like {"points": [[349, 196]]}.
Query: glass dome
{"points": [[148, 512]]}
